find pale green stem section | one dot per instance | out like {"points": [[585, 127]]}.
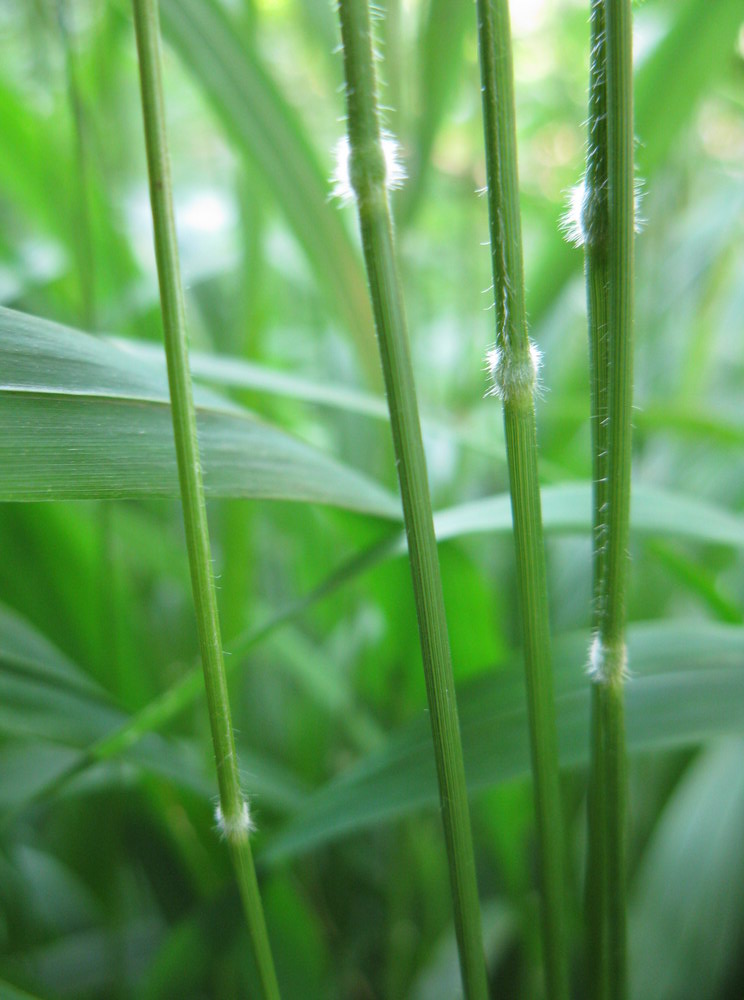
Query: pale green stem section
{"points": [[368, 180], [515, 381], [233, 808]]}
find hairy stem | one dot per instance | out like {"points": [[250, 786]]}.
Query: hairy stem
{"points": [[609, 225], [368, 175], [514, 369], [233, 809], [594, 228]]}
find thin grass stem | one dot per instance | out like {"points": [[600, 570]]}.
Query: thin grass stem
{"points": [[514, 367], [608, 225], [592, 227], [368, 178], [233, 815]]}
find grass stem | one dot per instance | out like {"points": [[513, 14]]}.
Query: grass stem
{"points": [[593, 229], [608, 227], [368, 176], [514, 367], [233, 816]]}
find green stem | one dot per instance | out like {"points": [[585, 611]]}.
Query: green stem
{"points": [[609, 226], [514, 368], [368, 180], [620, 321], [593, 227], [233, 808]]}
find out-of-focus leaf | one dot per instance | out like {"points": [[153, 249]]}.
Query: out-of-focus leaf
{"points": [[45, 699], [29, 651], [440, 978], [265, 128], [566, 508], [698, 35], [686, 903], [81, 419], [238, 373], [78, 963], [687, 687], [665, 101], [10, 992], [40, 164], [440, 53], [38, 706]]}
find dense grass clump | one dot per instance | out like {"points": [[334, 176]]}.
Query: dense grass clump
{"points": [[277, 482]]}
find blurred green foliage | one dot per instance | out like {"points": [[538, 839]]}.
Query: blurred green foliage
{"points": [[113, 882]]}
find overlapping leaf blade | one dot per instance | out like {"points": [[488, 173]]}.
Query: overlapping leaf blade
{"points": [[81, 419], [687, 687]]}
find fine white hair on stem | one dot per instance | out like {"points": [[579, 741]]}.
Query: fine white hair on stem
{"points": [[572, 220], [235, 827], [580, 215], [605, 663], [395, 172], [510, 378]]}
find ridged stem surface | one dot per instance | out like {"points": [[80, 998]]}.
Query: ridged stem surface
{"points": [[368, 180], [233, 814], [609, 227], [515, 376], [594, 229]]}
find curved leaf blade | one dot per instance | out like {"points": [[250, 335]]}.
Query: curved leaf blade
{"points": [[81, 419], [567, 508], [687, 687]]}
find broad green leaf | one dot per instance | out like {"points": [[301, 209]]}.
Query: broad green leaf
{"points": [[79, 418], [268, 132], [686, 903], [565, 509], [687, 687], [237, 373]]}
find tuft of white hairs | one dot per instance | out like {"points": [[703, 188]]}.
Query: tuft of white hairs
{"points": [[510, 378], [395, 172], [572, 221], [575, 222], [600, 667], [235, 827]]}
